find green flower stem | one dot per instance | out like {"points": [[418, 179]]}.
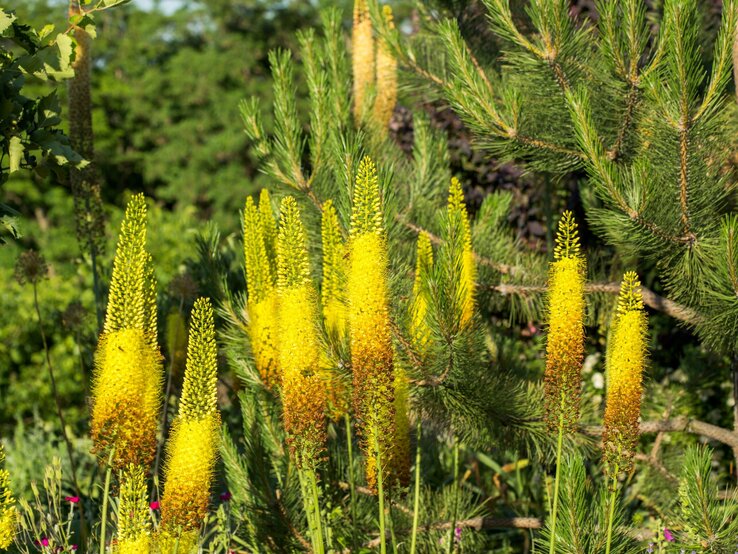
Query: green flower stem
{"points": [[416, 493], [555, 507], [380, 487], [106, 494], [611, 510]]}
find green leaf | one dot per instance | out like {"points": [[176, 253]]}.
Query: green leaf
{"points": [[105, 4], [46, 31], [15, 149], [6, 20]]}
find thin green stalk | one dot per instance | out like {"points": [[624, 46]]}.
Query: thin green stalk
{"points": [[454, 515], [559, 444], [352, 484], [316, 510], [106, 494], [611, 511], [416, 493], [380, 487]]}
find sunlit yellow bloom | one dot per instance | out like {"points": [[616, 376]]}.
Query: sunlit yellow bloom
{"points": [[370, 328], [8, 513], [419, 308], [193, 445], [333, 292], [303, 383], [127, 384], [459, 218], [262, 298], [565, 344], [362, 56], [384, 103], [134, 521], [626, 361]]}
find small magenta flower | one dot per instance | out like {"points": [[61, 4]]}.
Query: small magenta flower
{"points": [[226, 496], [44, 541], [457, 534], [72, 499], [668, 536], [154, 505], [74, 548]]}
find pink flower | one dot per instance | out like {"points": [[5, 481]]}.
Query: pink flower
{"points": [[226, 496], [44, 541], [668, 536], [154, 505], [72, 499]]}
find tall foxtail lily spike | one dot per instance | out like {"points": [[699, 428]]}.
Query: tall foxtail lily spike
{"points": [[419, 307], [134, 520], [192, 449], [362, 56], [626, 361], [303, 381], [127, 383], [333, 291], [370, 329], [259, 240], [565, 342], [459, 218], [384, 103], [8, 513]]}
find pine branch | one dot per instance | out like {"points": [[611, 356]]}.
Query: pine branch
{"points": [[680, 424], [650, 298]]}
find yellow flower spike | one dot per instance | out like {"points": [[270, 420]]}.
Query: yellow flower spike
{"points": [[127, 383], [370, 328], [565, 343], [626, 361], [468, 285], [8, 513], [401, 455], [362, 56], [262, 303], [384, 103], [192, 449], [419, 308], [268, 225], [303, 383], [134, 521], [334, 273]]}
